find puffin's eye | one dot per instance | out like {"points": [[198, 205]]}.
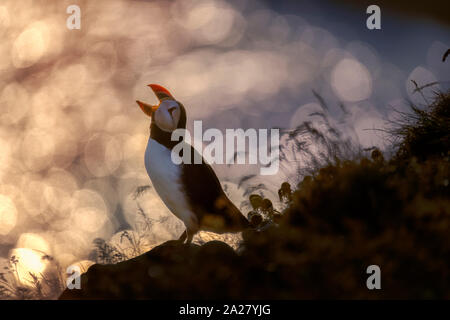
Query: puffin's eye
{"points": [[171, 109]]}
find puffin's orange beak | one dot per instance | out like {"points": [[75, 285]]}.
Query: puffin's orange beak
{"points": [[160, 92], [147, 108]]}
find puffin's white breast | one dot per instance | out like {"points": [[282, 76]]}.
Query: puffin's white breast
{"points": [[166, 179]]}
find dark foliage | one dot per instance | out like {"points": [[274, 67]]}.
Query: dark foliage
{"points": [[425, 133]]}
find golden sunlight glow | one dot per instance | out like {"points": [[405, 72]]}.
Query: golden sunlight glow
{"points": [[33, 241], [232, 239], [29, 261]]}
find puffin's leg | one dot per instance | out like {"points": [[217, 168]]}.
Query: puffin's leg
{"points": [[190, 235], [192, 228], [183, 236]]}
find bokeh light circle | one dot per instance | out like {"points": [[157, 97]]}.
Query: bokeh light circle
{"points": [[8, 214], [351, 80]]}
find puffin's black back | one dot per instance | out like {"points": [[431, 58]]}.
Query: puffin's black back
{"points": [[206, 196]]}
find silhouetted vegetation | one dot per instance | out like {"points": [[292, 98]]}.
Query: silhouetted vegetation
{"points": [[47, 285], [424, 133], [340, 218], [131, 242]]}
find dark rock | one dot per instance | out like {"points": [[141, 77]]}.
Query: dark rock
{"points": [[170, 270]]}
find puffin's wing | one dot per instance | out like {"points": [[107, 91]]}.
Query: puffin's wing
{"points": [[205, 194]]}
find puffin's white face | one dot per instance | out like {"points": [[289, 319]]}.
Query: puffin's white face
{"points": [[167, 115]]}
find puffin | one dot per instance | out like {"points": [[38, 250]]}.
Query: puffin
{"points": [[191, 191]]}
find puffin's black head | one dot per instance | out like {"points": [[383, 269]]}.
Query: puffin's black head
{"points": [[167, 116]]}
